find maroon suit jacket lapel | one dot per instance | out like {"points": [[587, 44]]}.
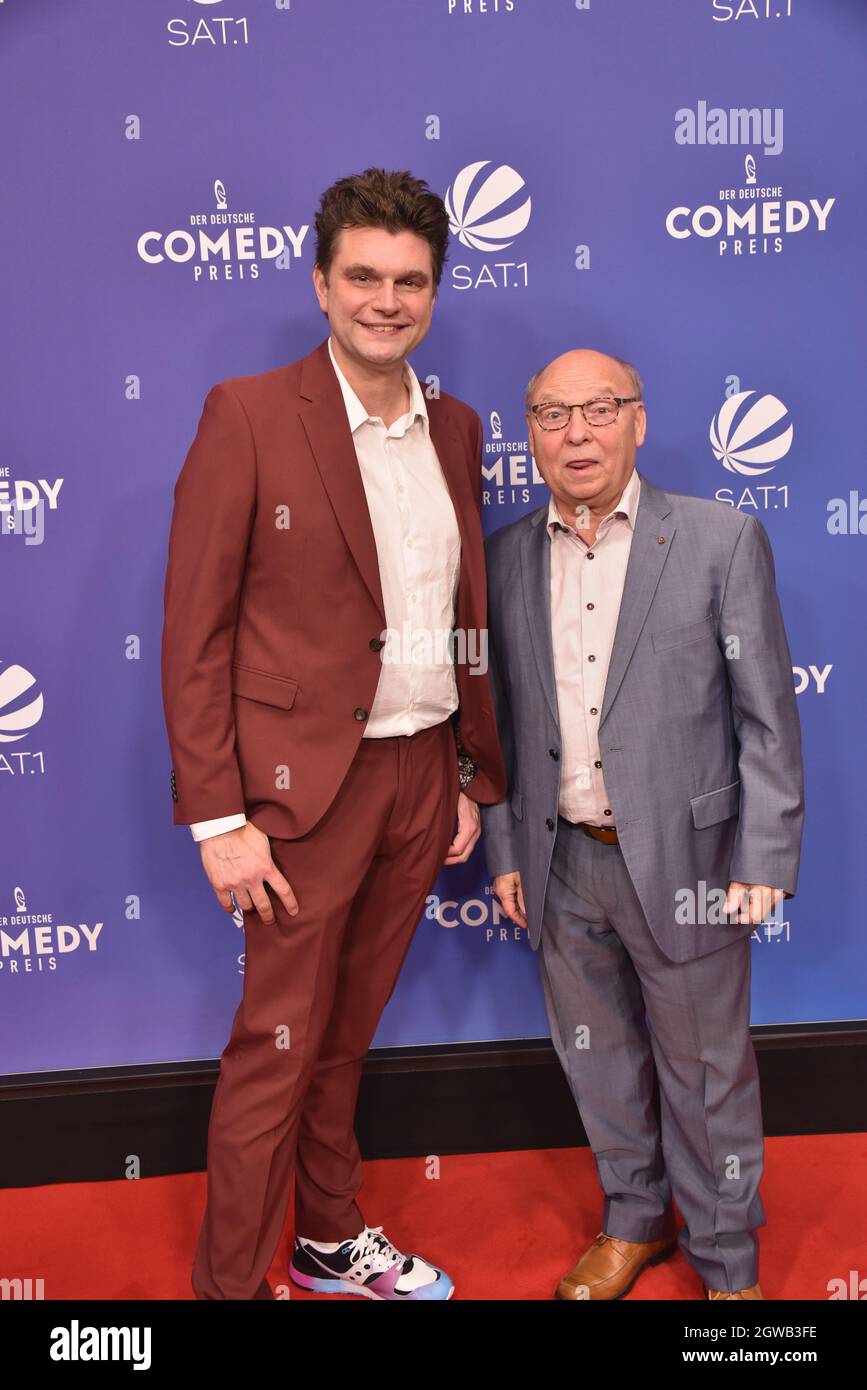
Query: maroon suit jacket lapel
{"points": [[323, 415], [451, 452]]}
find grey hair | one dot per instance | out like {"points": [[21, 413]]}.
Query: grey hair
{"points": [[632, 372]]}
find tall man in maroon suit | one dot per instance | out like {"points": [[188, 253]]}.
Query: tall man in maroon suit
{"points": [[330, 723]]}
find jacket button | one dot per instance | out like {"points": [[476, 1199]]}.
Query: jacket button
{"points": [[554, 754], [549, 823], [376, 644], [361, 713]]}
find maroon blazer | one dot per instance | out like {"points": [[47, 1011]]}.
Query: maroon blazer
{"points": [[273, 604]]}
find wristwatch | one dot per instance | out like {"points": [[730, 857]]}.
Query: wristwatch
{"points": [[466, 770], [466, 767]]}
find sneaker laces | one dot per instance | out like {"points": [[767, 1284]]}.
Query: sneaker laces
{"points": [[373, 1242]]}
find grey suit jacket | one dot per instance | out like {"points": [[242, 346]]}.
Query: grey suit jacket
{"points": [[701, 751]]}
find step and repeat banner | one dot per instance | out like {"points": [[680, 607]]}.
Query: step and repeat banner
{"points": [[678, 182]]}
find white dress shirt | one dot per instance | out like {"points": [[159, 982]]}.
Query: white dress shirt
{"points": [[586, 590], [419, 550]]}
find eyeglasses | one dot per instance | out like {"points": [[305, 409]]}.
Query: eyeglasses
{"points": [[603, 410]]}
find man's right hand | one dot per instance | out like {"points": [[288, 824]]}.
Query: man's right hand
{"points": [[511, 895], [239, 862]]}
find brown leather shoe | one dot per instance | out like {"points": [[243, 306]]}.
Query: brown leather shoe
{"points": [[610, 1267], [753, 1292]]}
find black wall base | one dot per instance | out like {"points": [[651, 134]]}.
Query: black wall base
{"points": [[474, 1098]]}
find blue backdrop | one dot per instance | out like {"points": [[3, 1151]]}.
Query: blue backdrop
{"points": [[674, 181]]}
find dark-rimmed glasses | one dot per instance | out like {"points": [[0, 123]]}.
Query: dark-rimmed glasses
{"points": [[602, 410]]}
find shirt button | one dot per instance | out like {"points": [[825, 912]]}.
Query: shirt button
{"points": [[591, 658], [606, 812], [589, 554], [376, 644], [597, 763], [593, 709], [361, 714], [591, 605]]}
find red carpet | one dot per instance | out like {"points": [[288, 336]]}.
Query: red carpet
{"points": [[504, 1225]]}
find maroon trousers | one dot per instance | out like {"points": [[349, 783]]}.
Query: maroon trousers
{"points": [[315, 986]]}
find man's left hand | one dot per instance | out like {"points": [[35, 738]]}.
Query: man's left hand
{"points": [[468, 831], [755, 906]]}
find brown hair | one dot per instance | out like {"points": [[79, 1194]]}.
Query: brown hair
{"points": [[377, 198]]}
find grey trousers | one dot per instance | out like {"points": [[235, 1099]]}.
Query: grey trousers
{"points": [[622, 1017]]}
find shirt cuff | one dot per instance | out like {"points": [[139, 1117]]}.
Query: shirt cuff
{"points": [[204, 829]]}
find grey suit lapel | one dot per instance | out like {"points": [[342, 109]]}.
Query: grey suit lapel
{"points": [[651, 543], [647, 556], [536, 583]]}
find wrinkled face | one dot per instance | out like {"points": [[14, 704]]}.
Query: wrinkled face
{"points": [[379, 294], [589, 464]]}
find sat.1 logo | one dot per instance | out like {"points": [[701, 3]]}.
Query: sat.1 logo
{"points": [[749, 435], [487, 212], [216, 30]]}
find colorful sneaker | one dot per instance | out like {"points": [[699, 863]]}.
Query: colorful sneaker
{"points": [[368, 1265]]}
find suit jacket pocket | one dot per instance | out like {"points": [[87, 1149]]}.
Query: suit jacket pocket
{"points": [[683, 633], [263, 686], [517, 804], [711, 807]]}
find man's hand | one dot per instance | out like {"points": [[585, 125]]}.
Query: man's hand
{"points": [[239, 862], [511, 895], [469, 830], [759, 902]]}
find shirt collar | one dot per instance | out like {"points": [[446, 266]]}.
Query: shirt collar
{"points": [[356, 411], [626, 507]]}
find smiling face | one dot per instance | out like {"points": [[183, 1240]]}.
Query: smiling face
{"points": [[379, 294], [583, 463]]}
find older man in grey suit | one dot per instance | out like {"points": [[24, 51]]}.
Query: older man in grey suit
{"points": [[645, 703]]}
